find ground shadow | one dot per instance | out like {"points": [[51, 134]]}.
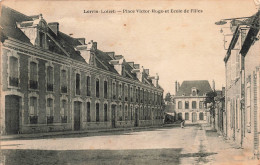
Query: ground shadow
{"points": [[71, 157]]}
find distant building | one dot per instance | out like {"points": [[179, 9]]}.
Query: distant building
{"points": [[51, 81], [189, 101]]}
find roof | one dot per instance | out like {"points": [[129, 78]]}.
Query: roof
{"points": [[8, 20], [11, 21], [202, 87]]}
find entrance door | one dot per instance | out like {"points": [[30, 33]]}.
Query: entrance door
{"points": [[113, 116], [12, 104], [136, 117], [77, 105], [194, 117]]}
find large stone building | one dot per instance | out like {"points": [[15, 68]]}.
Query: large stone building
{"points": [[51, 81], [189, 101], [242, 85]]}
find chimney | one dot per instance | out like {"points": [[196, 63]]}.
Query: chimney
{"points": [[81, 40], [131, 64], [111, 54], [54, 26], [94, 45], [137, 66], [146, 71], [213, 85], [176, 87]]}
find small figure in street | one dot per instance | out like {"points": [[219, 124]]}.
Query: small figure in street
{"points": [[182, 123]]}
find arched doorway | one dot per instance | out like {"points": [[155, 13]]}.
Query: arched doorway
{"points": [[77, 107], [12, 107], [113, 115]]}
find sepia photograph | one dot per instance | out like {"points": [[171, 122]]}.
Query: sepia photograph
{"points": [[123, 82]]}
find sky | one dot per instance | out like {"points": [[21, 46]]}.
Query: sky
{"points": [[177, 46]]}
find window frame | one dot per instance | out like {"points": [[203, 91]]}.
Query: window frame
{"points": [[30, 60]]}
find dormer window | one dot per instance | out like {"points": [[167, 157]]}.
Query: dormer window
{"points": [[194, 91]]}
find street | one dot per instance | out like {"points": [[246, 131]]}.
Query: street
{"points": [[169, 145]]}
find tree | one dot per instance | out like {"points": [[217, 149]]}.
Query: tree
{"points": [[167, 97], [210, 100]]}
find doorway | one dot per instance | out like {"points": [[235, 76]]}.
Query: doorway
{"points": [[113, 116], [12, 106], [136, 117], [194, 117], [77, 107]]}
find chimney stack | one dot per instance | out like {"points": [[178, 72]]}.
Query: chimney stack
{"points": [[176, 87], [54, 26], [81, 40], [213, 85]]}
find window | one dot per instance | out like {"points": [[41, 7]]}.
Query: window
{"points": [[131, 94], [97, 112], [194, 91], [49, 111], [179, 116], [186, 116], [201, 116], [97, 87], [120, 116], [33, 84], [88, 111], [131, 113], [120, 92], [201, 104], [194, 104], [13, 71], [114, 90], [105, 112], [33, 110], [186, 104], [142, 95], [49, 78], [42, 39], [145, 96], [179, 104], [105, 89], [141, 114], [63, 82], [126, 113], [64, 111], [126, 92], [88, 86], [137, 95], [77, 84], [248, 104]]}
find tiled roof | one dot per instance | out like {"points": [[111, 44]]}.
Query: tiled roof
{"points": [[60, 43], [8, 20], [104, 58], [202, 87]]}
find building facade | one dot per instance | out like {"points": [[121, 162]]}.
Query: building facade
{"points": [[51, 81], [189, 101], [242, 85]]}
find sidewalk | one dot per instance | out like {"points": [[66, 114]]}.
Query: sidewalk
{"points": [[227, 151], [53, 134]]}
